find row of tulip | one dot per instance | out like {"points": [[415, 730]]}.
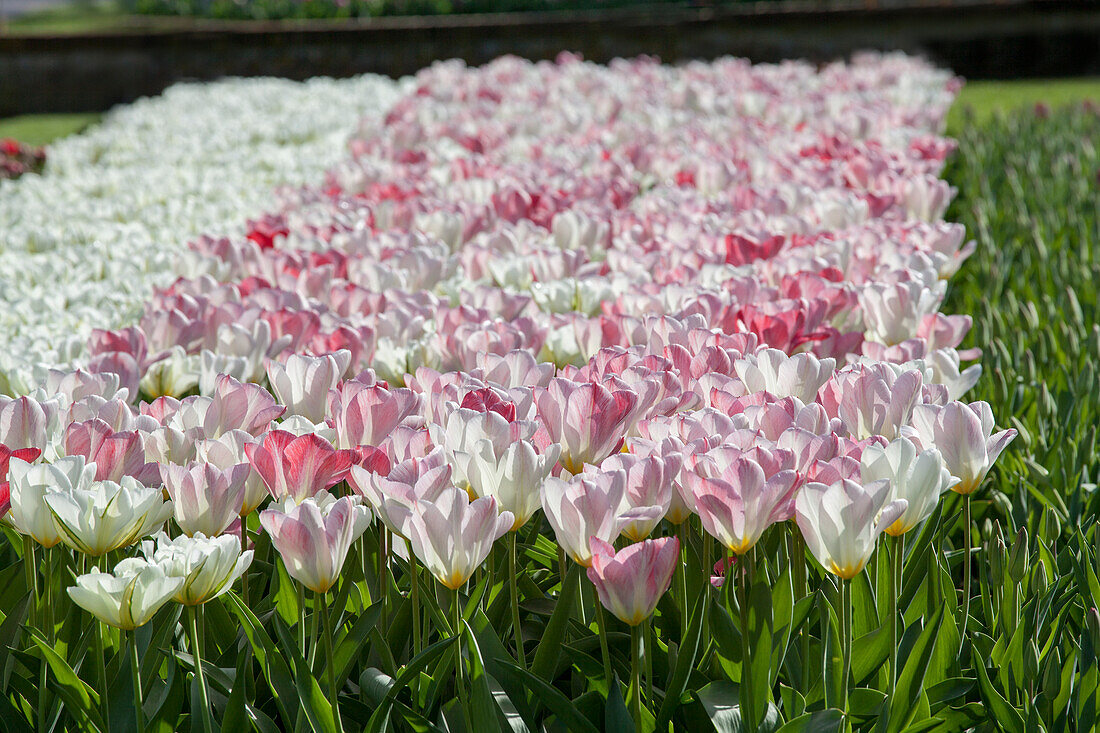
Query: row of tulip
{"points": [[667, 307], [135, 189]]}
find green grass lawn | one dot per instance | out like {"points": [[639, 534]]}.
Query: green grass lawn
{"points": [[44, 129]]}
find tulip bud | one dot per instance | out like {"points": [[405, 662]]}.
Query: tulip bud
{"points": [[1052, 526], [997, 555], [1018, 557], [1052, 674], [1092, 623], [1031, 660], [1039, 580]]}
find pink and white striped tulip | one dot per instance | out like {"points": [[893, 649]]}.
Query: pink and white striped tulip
{"points": [[963, 434], [205, 499], [587, 419], [736, 506], [631, 581], [297, 467], [452, 535], [365, 414], [313, 537], [841, 522], [303, 382]]}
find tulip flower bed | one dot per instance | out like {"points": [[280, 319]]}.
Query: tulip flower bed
{"points": [[576, 398], [17, 158]]}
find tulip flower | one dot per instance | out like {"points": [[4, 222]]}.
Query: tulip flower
{"points": [[27, 455], [313, 536], [841, 522], [736, 507], [365, 414], [298, 467], [238, 405], [918, 477], [587, 419], [208, 566], [963, 434], [115, 454], [773, 371], [452, 536], [303, 383], [29, 483], [631, 581], [227, 451], [206, 499], [128, 597], [589, 506], [649, 483], [106, 515], [26, 422], [873, 399]]}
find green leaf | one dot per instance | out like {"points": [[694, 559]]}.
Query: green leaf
{"points": [[616, 717], [721, 701], [234, 718], [412, 670], [315, 705], [690, 650], [1006, 717], [546, 655], [80, 699], [911, 680], [484, 714], [820, 721], [272, 662], [760, 633], [548, 696]]}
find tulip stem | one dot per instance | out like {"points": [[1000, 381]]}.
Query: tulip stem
{"points": [[383, 575], [681, 580], [648, 658], [301, 589], [748, 708], [31, 570], [798, 580], [601, 628], [460, 673], [845, 639], [244, 548], [135, 676], [897, 545], [635, 676], [314, 628], [192, 617], [414, 596], [517, 629], [101, 668], [330, 669], [966, 571], [561, 567]]}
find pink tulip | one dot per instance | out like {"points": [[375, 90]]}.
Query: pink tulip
{"points": [[365, 414], [225, 452], [239, 406], [649, 481], [589, 506], [205, 499], [26, 422], [6, 454], [452, 536], [873, 399], [587, 419], [115, 454], [303, 382], [739, 504], [963, 434], [313, 537], [631, 581], [298, 467]]}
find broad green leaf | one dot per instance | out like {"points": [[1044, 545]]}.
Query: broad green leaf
{"points": [[910, 683], [616, 717], [821, 721], [690, 650], [314, 703], [546, 655], [1006, 717], [81, 700]]}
